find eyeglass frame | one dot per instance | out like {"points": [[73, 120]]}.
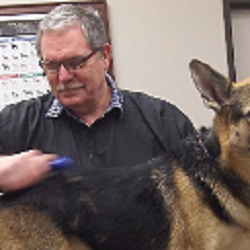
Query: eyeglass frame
{"points": [[69, 68]]}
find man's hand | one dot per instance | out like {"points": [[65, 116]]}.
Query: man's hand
{"points": [[23, 170]]}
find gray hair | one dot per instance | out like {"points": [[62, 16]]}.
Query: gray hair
{"points": [[66, 15]]}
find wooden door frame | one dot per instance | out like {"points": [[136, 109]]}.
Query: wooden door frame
{"points": [[228, 7]]}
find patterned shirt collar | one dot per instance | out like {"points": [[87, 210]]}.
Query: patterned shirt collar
{"points": [[56, 108]]}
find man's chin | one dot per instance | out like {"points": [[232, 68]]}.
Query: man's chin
{"points": [[70, 102]]}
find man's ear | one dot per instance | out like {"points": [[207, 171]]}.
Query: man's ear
{"points": [[107, 55]]}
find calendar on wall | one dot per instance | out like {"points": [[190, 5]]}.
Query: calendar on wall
{"points": [[21, 77]]}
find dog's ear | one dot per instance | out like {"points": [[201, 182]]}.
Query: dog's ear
{"points": [[214, 88]]}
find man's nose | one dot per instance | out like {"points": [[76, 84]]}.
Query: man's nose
{"points": [[64, 74]]}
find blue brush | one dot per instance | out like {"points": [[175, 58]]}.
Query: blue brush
{"points": [[62, 163]]}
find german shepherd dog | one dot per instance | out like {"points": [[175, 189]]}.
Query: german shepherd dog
{"points": [[200, 201]]}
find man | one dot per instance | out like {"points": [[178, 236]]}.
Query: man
{"points": [[86, 116]]}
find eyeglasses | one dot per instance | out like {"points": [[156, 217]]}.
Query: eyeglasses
{"points": [[71, 64]]}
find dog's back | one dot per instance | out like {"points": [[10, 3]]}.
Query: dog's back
{"points": [[108, 209]]}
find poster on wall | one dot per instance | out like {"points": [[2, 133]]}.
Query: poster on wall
{"points": [[20, 74]]}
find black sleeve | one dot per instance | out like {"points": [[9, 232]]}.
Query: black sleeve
{"points": [[17, 125], [169, 125], [176, 126], [10, 130]]}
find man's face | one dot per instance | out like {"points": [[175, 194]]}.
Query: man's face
{"points": [[82, 85]]}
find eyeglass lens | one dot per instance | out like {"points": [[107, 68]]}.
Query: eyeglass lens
{"points": [[70, 64]]}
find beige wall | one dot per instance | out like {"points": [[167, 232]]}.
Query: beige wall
{"points": [[153, 42]]}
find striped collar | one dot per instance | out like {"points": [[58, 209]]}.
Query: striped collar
{"points": [[56, 108]]}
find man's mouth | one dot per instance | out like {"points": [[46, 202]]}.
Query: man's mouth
{"points": [[69, 86]]}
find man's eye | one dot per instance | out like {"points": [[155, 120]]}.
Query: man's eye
{"points": [[75, 62], [52, 65]]}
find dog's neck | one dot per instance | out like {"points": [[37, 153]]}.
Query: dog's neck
{"points": [[237, 160], [233, 154]]}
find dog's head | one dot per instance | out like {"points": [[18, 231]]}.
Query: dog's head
{"points": [[231, 103]]}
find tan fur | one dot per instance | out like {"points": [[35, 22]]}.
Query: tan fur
{"points": [[24, 228], [202, 231]]}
